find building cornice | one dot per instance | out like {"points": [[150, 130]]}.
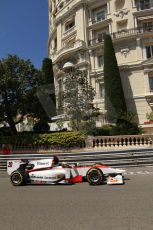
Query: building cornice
{"points": [[69, 10]]}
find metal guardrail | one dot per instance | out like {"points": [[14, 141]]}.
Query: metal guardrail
{"points": [[122, 158]]}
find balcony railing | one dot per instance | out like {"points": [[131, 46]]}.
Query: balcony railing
{"points": [[71, 46], [123, 33], [144, 6], [99, 19], [69, 30], [96, 41]]}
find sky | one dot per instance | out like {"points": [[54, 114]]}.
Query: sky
{"points": [[24, 29]]}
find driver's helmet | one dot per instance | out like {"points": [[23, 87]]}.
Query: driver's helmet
{"points": [[55, 160]]}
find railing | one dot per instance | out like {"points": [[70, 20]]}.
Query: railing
{"points": [[69, 30], [123, 33], [119, 158], [96, 41], [119, 141], [71, 46], [99, 19]]}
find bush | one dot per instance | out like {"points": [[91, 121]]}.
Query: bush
{"points": [[121, 128], [105, 130], [59, 139], [41, 127], [126, 129], [6, 131]]}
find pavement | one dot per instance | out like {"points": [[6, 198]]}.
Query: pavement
{"points": [[80, 206]]}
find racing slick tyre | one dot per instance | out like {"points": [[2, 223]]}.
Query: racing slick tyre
{"points": [[18, 178], [95, 176]]}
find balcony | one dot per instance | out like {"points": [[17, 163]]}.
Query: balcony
{"points": [[144, 31], [98, 20], [144, 6], [69, 31], [132, 32], [96, 41], [70, 49]]}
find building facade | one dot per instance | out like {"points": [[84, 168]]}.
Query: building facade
{"points": [[76, 35]]}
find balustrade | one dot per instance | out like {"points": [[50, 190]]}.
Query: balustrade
{"points": [[119, 141]]}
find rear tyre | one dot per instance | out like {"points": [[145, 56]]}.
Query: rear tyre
{"points": [[18, 178], [95, 176]]}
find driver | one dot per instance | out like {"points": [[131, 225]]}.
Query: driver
{"points": [[55, 161]]}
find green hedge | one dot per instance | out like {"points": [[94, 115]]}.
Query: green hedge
{"points": [[62, 139]]}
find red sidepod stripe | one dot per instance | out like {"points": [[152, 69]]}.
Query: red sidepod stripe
{"points": [[91, 166], [74, 179]]}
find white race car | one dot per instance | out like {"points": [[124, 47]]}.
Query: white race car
{"points": [[49, 171]]}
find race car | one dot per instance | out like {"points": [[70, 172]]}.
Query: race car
{"points": [[50, 171]]}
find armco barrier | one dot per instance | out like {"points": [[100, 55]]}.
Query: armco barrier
{"points": [[122, 158]]}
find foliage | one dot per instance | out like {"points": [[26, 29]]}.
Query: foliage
{"points": [[41, 127], [46, 92], [78, 99], [18, 87], [126, 129], [47, 70], [105, 130], [114, 96], [59, 139], [125, 125], [149, 116], [129, 117], [60, 124], [5, 131]]}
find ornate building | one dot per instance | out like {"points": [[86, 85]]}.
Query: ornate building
{"points": [[76, 35]]}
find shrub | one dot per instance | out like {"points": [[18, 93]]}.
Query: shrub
{"points": [[41, 127], [59, 139], [105, 130]]}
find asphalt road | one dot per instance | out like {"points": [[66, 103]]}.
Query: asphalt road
{"points": [[78, 207]]}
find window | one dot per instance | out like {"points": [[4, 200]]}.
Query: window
{"points": [[148, 26], [101, 90], [100, 37], [144, 4], [151, 83], [100, 59], [149, 51], [55, 43], [69, 24], [101, 15]]}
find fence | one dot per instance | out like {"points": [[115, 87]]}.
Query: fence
{"points": [[116, 142], [122, 158]]}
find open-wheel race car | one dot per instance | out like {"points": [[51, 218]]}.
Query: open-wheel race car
{"points": [[50, 171]]}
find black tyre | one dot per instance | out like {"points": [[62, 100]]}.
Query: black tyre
{"points": [[95, 176], [18, 178]]}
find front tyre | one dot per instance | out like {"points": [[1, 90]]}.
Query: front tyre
{"points": [[18, 178], [95, 176]]}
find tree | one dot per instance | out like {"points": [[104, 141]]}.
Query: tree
{"points": [[18, 87], [46, 92], [47, 70], [114, 96], [78, 101]]}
